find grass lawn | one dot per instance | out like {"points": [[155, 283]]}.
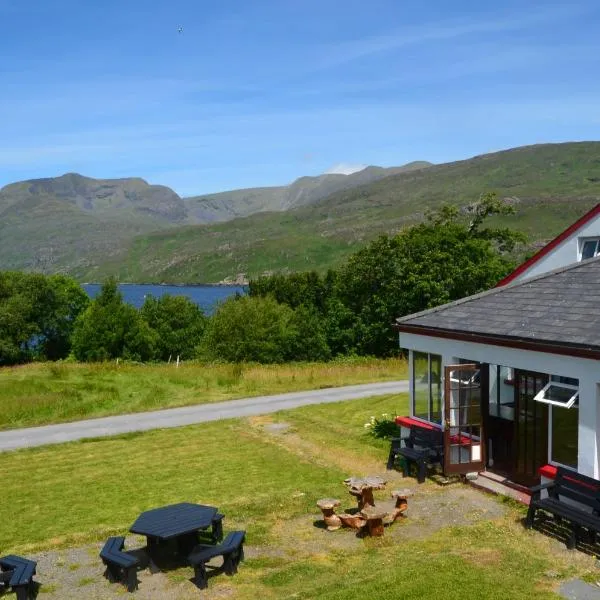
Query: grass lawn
{"points": [[267, 481], [44, 393]]}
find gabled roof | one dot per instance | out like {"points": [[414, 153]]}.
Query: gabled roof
{"points": [[557, 312], [551, 245]]}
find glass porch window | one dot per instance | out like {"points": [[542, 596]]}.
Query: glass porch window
{"points": [[502, 392], [564, 428], [427, 396]]}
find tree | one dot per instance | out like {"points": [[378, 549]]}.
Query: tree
{"points": [[296, 289], [254, 329], [423, 267], [178, 322], [64, 304], [37, 316], [109, 328]]}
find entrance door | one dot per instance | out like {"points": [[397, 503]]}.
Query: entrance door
{"points": [[463, 427], [531, 427]]}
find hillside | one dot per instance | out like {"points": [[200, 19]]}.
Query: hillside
{"points": [[225, 206], [551, 186], [74, 223], [69, 222]]}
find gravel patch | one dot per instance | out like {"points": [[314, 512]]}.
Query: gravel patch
{"points": [[77, 572]]}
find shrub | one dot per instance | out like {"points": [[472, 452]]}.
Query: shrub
{"points": [[383, 427]]}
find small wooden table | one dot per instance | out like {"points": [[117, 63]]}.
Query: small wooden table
{"points": [[362, 488]]}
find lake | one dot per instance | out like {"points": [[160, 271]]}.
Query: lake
{"points": [[205, 296]]}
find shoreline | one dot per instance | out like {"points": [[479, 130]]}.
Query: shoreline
{"points": [[173, 284]]}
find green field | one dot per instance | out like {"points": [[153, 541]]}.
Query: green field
{"points": [[44, 393], [268, 483], [550, 185]]}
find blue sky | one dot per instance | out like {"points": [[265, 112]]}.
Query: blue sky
{"points": [[260, 92]]}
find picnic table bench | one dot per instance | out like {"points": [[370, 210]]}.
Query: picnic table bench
{"points": [[422, 447], [569, 486], [120, 566], [17, 573], [232, 551]]}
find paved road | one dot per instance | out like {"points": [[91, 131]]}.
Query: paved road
{"points": [[187, 415]]}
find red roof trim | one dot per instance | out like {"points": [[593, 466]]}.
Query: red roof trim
{"points": [[551, 245]]}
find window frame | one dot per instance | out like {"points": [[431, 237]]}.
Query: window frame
{"points": [[540, 396], [430, 387]]}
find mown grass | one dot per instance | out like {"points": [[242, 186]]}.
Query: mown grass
{"points": [[268, 484], [39, 394]]}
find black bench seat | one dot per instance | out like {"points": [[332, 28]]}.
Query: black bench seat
{"points": [[120, 566], [422, 447], [232, 551], [21, 571], [568, 487]]}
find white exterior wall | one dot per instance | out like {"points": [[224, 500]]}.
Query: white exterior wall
{"points": [[566, 253], [586, 370]]}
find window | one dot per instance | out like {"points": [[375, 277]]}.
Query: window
{"points": [[559, 394], [502, 392], [562, 394], [427, 398], [564, 427], [589, 248]]}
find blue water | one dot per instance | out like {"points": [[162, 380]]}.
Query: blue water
{"points": [[205, 296]]}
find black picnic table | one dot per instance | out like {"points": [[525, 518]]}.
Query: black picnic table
{"points": [[180, 522]]}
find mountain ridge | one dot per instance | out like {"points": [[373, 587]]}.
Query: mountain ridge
{"points": [[140, 232]]}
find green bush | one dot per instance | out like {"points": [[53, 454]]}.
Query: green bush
{"points": [[109, 328], [383, 427], [256, 329], [178, 323]]}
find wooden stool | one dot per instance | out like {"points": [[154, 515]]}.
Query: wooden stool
{"points": [[328, 506], [401, 497], [374, 517]]}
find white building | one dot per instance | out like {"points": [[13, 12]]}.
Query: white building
{"points": [[512, 375]]}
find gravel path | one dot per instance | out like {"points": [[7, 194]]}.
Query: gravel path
{"points": [[188, 415]]}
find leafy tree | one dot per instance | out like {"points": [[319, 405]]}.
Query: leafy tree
{"points": [[37, 315], [178, 322], [109, 328], [296, 289], [65, 303], [423, 267], [17, 327], [310, 340], [255, 329]]}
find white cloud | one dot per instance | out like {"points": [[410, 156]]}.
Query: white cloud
{"points": [[345, 169], [344, 52]]}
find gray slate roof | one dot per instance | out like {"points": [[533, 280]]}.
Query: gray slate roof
{"points": [[561, 306]]}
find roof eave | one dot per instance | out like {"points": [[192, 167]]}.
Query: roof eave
{"points": [[521, 343]]}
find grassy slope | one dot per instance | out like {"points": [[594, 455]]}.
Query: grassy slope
{"points": [[269, 485], [554, 185], [40, 394]]}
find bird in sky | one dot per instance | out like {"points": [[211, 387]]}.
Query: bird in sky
{"points": [[180, 30]]}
